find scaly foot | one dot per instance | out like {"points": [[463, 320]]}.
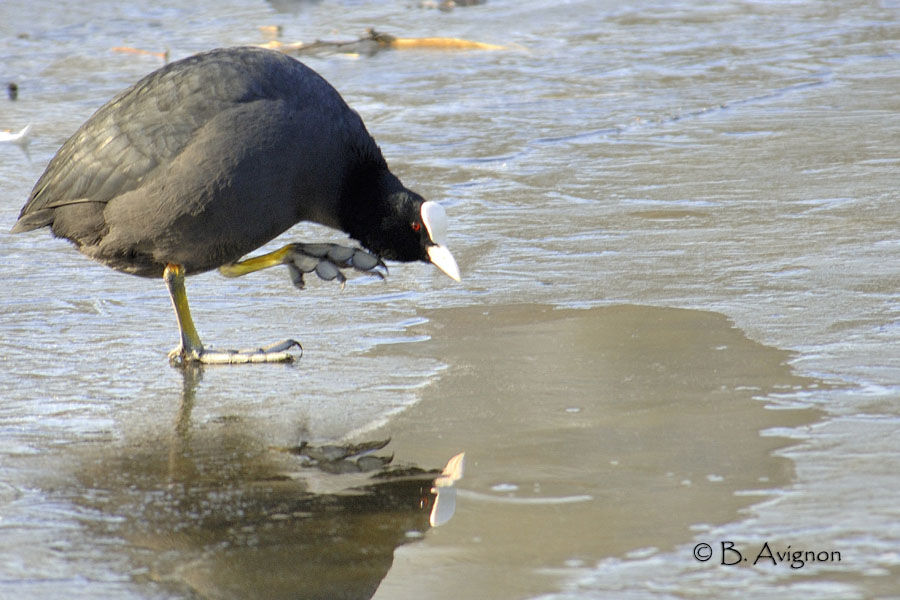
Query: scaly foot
{"points": [[327, 260], [275, 353]]}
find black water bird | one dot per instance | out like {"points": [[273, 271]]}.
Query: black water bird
{"points": [[212, 156]]}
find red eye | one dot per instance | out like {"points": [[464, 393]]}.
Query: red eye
{"points": [[416, 226]]}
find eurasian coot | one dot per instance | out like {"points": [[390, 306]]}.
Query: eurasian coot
{"points": [[212, 156]]}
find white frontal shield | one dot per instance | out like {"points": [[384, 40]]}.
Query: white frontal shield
{"points": [[435, 219]]}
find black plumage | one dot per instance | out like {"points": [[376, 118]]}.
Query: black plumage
{"points": [[212, 156]]}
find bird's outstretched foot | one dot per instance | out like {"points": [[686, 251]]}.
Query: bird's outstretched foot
{"points": [[274, 353], [327, 260]]}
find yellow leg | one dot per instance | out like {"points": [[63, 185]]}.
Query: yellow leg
{"points": [[257, 263], [191, 347]]}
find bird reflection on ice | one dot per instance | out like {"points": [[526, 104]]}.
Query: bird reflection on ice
{"points": [[214, 511]]}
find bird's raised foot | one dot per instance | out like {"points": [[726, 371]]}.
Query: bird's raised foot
{"points": [[327, 260], [274, 353]]}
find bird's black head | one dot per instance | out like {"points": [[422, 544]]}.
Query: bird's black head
{"points": [[398, 224], [400, 234]]}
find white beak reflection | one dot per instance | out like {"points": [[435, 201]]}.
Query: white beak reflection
{"points": [[445, 491]]}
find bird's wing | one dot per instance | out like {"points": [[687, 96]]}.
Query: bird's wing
{"points": [[146, 126], [109, 155]]}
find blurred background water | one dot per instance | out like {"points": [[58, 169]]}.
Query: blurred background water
{"points": [[677, 224]]}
